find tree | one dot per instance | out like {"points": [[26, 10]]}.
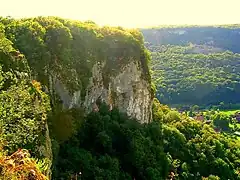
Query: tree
{"points": [[172, 116], [221, 120], [116, 146]]}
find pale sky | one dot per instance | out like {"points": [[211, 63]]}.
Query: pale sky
{"points": [[129, 13]]}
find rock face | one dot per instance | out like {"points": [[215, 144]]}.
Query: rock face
{"points": [[68, 100], [128, 91]]}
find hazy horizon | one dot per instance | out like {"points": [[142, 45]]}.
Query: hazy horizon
{"points": [[134, 14]]}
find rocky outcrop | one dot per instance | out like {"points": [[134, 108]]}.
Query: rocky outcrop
{"points": [[67, 99], [127, 90]]}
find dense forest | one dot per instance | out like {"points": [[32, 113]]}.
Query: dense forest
{"points": [[109, 145], [196, 65], [42, 139]]}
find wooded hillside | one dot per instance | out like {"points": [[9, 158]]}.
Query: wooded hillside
{"points": [[195, 65]]}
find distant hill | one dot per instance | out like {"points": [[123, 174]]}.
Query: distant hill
{"points": [[195, 65], [227, 38]]}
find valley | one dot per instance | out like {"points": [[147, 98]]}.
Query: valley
{"points": [[196, 65]]}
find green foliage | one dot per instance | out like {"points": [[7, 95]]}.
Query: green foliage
{"points": [[197, 151], [65, 123], [172, 116], [23, 116], [211, 177], [222, 121], [109, 145], [186, 78], [157, 111], [69, 48], [195, 64], [9, 57], [23, 106]]}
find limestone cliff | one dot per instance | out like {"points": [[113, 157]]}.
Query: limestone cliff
{"points": [[127, 90], [110, 64]]}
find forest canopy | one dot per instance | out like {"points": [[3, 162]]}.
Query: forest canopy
{"points": [[195, 64], [184, 77]]}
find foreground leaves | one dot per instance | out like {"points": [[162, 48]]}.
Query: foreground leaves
{"points": [[19, 166]]}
